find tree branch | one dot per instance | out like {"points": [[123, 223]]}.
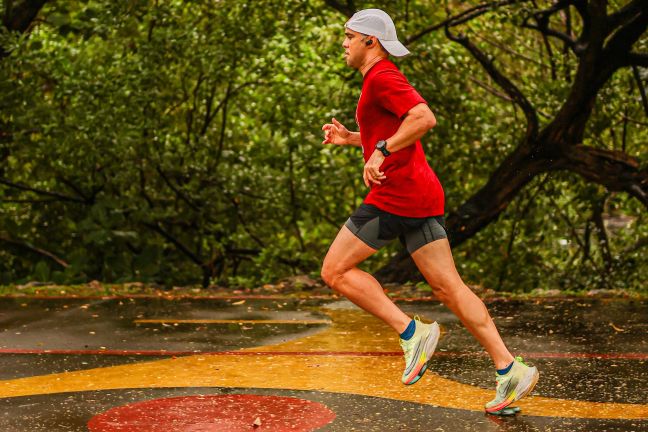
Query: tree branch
{"points": [[142, 183], [72, 186], [461, 18], [241, 219], [179, 193], [576, 237], [618, 47], [642, 90], [189, 118], [221, 138], [641, 243], [349, 9], [636, 59], [192, 256], [543, 18], [61, 197], [39, 251], [208, 112], [521, 215], [491, 90], [623, 15], [604, 241], [506, 84], [29, 201], [613, 169], [18, 16], [229, 93], [511, 51], [518, 169], [546, 31]]}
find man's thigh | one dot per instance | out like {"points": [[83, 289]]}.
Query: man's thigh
{"points": [[347, 251], [435, 262]]}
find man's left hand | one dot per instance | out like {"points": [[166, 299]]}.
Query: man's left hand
{"points": [[372, 173]]}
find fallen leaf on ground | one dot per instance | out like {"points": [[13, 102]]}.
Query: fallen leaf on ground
{"points": [[617, 329]]}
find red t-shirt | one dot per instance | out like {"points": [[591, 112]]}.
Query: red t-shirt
{"points": [[411, 188]]}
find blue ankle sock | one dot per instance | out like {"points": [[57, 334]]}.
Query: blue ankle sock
{"points": [[505, 370], [409, 331]]}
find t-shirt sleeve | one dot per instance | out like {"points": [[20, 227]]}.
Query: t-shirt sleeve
{"points": [[394, 93]]}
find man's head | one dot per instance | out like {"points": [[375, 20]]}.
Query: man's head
{"points": [[370, 32]]}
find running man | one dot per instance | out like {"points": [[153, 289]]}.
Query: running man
{"points": [[405, 201]]}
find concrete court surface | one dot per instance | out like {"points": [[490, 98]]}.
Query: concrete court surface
{"points": [[236, 364]]}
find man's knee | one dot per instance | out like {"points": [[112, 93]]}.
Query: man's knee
{"points": [[333, 275], [329, 274], [443, 289], [449, 290], [441, 293]]}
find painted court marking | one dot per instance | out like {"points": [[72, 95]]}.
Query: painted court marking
{"points": [[171, 353], [315, 363], [226, 413], [230, 321]]}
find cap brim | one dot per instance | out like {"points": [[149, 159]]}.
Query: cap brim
{"points": [[394, 48]]}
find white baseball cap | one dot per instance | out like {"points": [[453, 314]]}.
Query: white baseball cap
{"points": [[375, 22]]}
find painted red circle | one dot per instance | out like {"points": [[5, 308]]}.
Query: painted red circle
{"points": [[215, 413]]}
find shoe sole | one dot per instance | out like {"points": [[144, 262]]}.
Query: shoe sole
{"points": [[430, 347], [506, 412], [524, 387]]}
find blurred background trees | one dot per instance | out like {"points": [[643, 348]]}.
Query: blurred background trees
{"points": [[179, 142]]}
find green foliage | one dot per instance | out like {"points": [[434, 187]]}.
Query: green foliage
{"points": [[179, 142]]}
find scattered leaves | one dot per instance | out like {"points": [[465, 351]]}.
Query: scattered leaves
{"points": [[616, 329]]}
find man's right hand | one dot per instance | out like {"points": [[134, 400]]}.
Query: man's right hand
{"points": [[335, 133]]}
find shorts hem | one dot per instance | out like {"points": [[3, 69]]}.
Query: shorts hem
{"points": [[424, 244]]}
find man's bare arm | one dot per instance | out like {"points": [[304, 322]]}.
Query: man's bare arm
{"points": [[336, 133], [354, 139], [417, 122]]}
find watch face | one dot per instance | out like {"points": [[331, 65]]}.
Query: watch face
{"points": [[382, 146]]}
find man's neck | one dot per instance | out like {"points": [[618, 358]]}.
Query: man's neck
{"points": [[368, 65]]}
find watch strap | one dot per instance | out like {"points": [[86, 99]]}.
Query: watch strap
{"points": [[382, 147]]}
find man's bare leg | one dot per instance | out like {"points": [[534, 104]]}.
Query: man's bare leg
{"points": [[435, 262], [340, 272]]}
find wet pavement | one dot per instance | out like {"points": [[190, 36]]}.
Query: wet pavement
{"points": [[137, 364]]}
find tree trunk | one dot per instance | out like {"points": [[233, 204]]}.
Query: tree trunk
{"points": [[18, 16]]}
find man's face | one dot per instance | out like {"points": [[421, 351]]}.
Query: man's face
{"points": [[355, 49]]}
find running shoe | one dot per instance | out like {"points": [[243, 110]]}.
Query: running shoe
{"points": [[418, 350], [514, 385]]}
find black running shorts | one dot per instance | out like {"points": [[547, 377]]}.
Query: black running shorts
{"points": [[376, 228]]}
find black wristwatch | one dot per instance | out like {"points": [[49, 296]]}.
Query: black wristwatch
{"points": [[382, 146]]}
